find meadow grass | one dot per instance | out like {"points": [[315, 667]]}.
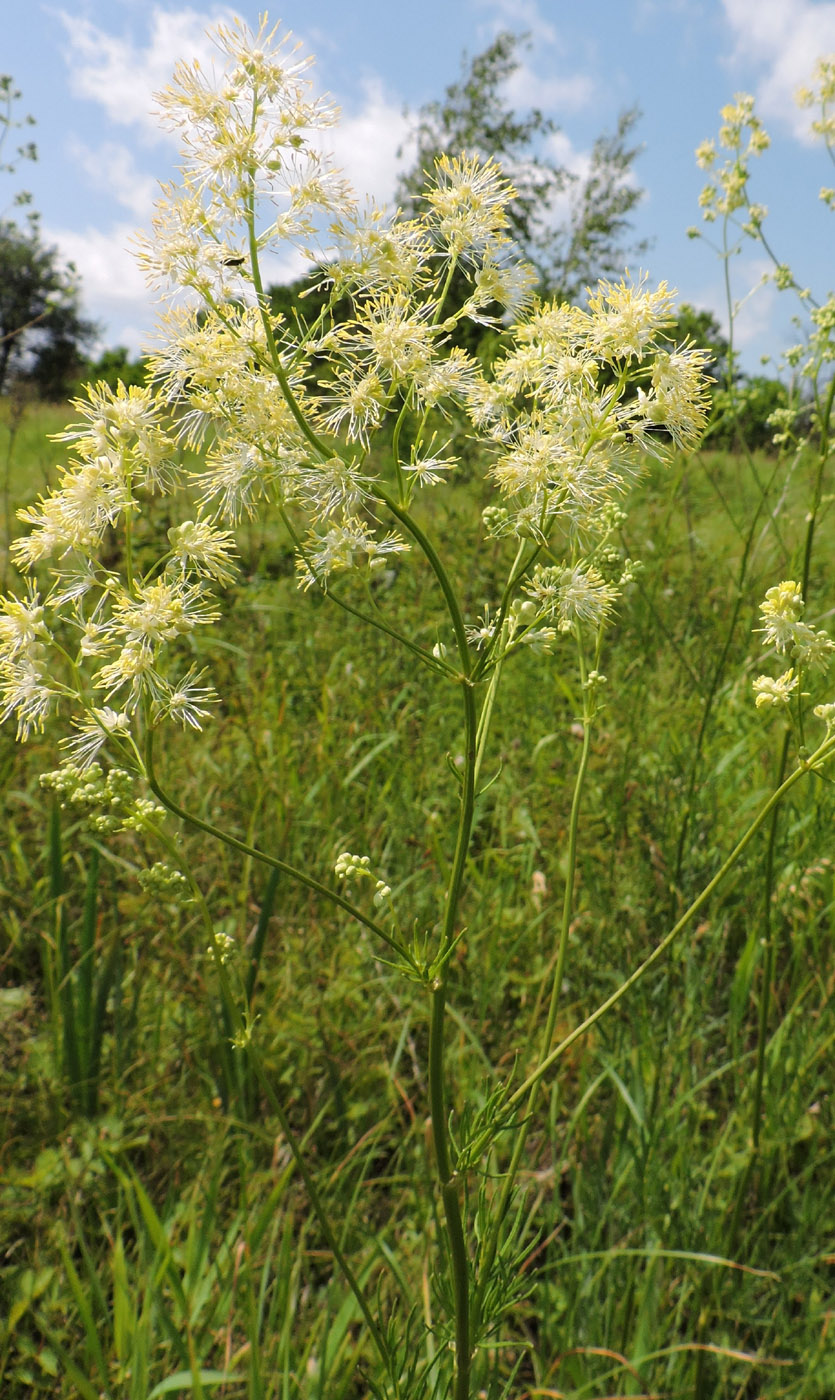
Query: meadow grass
{"points": [[156, 1236]]}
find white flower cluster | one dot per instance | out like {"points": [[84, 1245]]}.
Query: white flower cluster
{"points": [[575, 405]]}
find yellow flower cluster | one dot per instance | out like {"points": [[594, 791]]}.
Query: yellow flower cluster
{"points": [[576, 403], [822, 95], [743, 135], [783, 628]]}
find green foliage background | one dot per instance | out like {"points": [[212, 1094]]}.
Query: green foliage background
{"points": [[164, 1242]]}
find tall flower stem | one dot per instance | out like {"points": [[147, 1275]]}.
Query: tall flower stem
{"points": [[500, 1212], [300, 876], [450, 1185], [447, 1175], [237, 1021], [810, 765]]}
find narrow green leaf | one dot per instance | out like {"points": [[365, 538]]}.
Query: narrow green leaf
{"points": [[183, 1380]]}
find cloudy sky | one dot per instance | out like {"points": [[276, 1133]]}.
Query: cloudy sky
{"points": [[88, 69]]}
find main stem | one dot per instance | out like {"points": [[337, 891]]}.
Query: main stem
{"points": [[550, 1025], [447, 1175]]}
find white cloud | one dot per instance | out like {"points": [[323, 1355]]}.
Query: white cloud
{"points": [[526, 88], [283, 266], [759, 309], [112, 285], [784, 37], [112, 167], [522, 15], [564, 153], [366, 142], [122, 76], [754, 320], [105, 263]]}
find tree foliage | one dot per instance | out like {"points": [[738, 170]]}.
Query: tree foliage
{"points": [[114, 366], [42, 332], [9, 122], [572, 229]]}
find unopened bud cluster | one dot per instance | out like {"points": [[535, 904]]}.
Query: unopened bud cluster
{"points": [[223, 947], [350, 867], [105, 801], [163, 882]]}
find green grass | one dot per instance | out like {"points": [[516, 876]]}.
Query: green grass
{"points": [[155, 1235]]}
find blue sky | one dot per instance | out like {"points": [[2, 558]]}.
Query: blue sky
{"points": [[88, 68]]}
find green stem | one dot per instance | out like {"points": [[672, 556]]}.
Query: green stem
{"points": [[817, 758], [769, 932], [295, 1151], [517, 572], [395, 448], [129, 545], [299, 875], [410, 524], [484, 720], [447, 1176], [319, 447], [453, 263], [424, 656], [768, 966], [500, 1212]]}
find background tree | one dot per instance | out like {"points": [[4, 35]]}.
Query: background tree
{"points": [[43, 335], [42, 332], [27, 150], [114, 366], [571, 229]]}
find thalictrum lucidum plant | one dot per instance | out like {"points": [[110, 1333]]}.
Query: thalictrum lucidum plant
{"points": [[345, 427]]}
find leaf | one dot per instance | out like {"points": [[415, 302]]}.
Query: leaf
{"points": [[184, 1380]]}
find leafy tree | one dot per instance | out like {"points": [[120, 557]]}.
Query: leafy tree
{"points": [[115, 366], [593, 239], [42, 331], [743, 416], [702, 328]]}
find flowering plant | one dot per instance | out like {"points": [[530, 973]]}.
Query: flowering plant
{"points": [[342, 426]]}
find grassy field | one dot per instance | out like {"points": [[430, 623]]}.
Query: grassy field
{"points": [[680, 1221]]}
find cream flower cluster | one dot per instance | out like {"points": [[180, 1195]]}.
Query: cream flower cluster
{"points": [[337, 422], [821, 94], [784, 629], [742, 135]]}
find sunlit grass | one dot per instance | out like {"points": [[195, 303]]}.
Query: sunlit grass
{"points": [[169, 1236]]}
